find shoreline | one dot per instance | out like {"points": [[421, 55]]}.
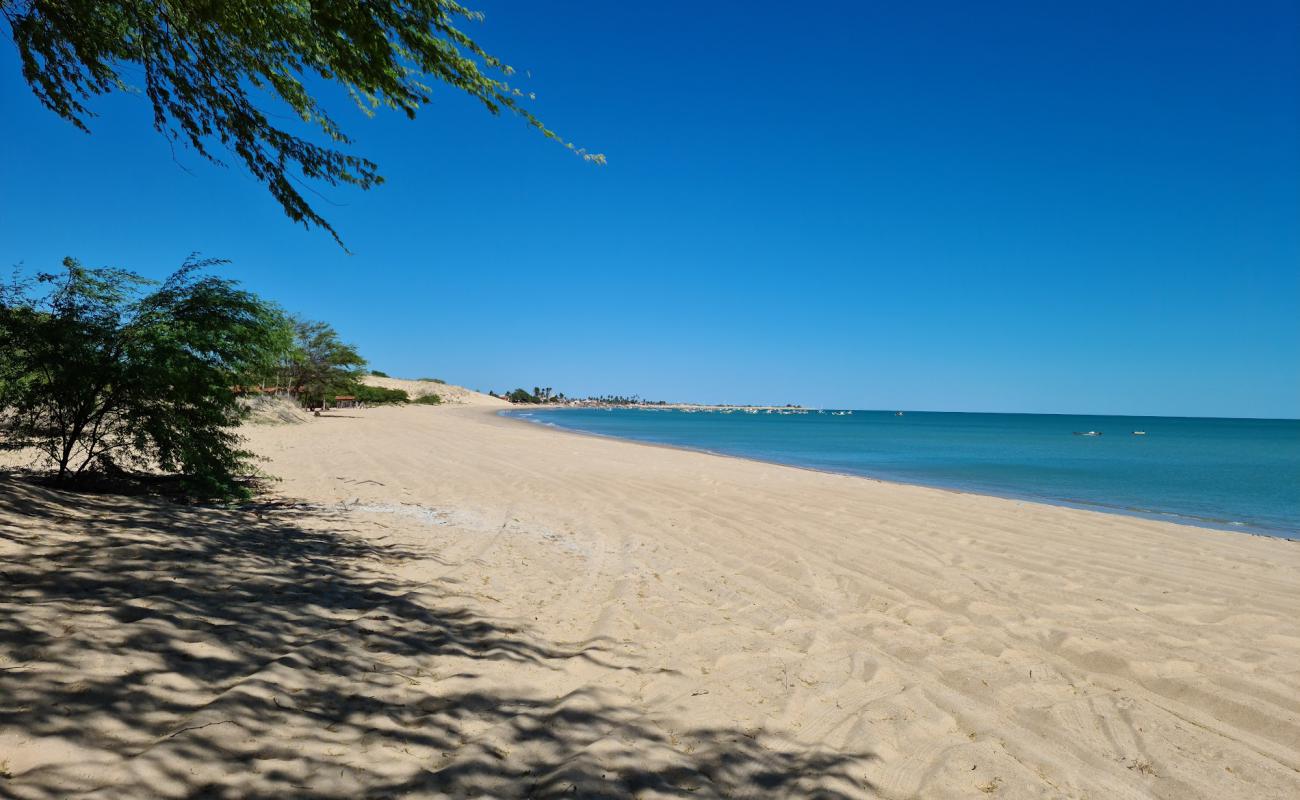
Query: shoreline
{"points": [[1223, 526]]}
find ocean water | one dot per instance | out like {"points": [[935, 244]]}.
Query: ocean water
{"points": [[1239, 474]]}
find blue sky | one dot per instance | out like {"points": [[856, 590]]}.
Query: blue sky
{"points": [[1046, 207]]}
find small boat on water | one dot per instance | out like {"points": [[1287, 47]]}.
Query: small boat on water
{"points": [[1087, 433], [1139, 433], [898, 413]]}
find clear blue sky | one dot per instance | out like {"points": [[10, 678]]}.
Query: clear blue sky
{"points": [[1054, 207]]}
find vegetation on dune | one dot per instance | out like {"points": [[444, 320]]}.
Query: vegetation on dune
{"points": [[378, 395], [428, 400], [97, 374], [379, 374], [431, 380], [226, 73]]}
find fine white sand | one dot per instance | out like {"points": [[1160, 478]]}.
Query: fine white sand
{"points": [[447, 603]]}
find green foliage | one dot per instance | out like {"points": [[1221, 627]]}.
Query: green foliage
{"points": [[321, 364], [271, 367], [209, 68], [379, 374], [378, 395], [428, 400], [522, 396], [538, 395], [95, 374], [432, 380]]}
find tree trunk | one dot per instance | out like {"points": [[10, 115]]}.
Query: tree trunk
{"points": [[64, 458]]}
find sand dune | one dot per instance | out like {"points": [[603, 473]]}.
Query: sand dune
{"points": [[446, 603], [450, 393]]}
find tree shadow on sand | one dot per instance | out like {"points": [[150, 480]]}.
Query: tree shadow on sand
{"points": [[154, 650]]}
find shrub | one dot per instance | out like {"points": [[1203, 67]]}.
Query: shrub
{"points": [[428, 400], [379, 374], [431, 380], [523, 396], [378, 395], [96, 374]]}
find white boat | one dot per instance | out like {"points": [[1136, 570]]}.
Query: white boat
{"points": [[1139, 433], [1087, 433]]}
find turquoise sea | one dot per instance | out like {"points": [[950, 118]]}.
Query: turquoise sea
{"points": [[1240, 474]]}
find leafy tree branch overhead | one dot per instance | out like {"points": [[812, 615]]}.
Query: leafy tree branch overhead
{"points": [[205, 65]]}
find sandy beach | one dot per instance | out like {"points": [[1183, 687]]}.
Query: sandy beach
{"points": [[442, 602]]}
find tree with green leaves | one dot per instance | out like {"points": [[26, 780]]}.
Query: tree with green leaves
{"points": [[274, 365], [214, 71], [322, 364], [522, 395], [96, 374]]}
